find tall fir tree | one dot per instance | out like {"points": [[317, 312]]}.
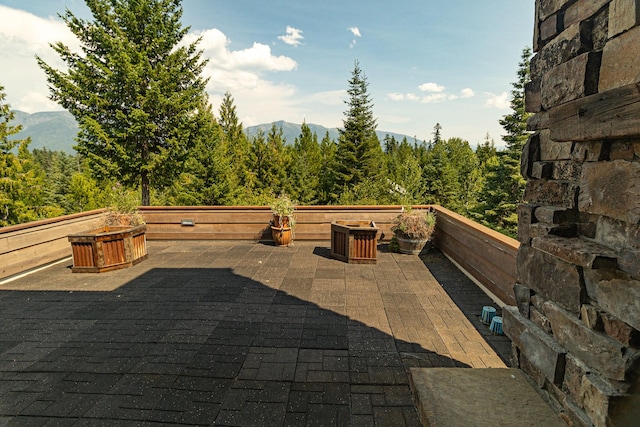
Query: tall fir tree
{"points": [[305, 167], [504, 185], [328, 150], [359, 154], [134, 90], [21, 181], [237, 144]]}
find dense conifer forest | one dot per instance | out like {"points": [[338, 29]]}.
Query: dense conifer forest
{"points": [[163, 143]]}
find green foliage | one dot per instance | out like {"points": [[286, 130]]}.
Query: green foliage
{"points": [[306, 165], [359, 154], [504, 184], [220, 165], [133, 90], [415, 224], [21, 180]]}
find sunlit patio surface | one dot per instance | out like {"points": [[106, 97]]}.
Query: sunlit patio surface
{"points": [[236, 333]]}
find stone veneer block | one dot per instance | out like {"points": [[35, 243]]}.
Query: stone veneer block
{"points": [[569, 44], [551, 193], [611, 189], [571, 80], [590, 392], [549, 28], [621, 61], [620, 331], [623, 15], [629, 262], [616, 294], [610, 114], [539, 348], [547, 8], [538, 122], [623, 150], [551, 277], [532, 96], [553, 150], [523, 298], [598, 351], [616, 234], [582, 10], [566, 170], [599, 399], [553, 215], [525, 219], [577, 251], [541, 170]]}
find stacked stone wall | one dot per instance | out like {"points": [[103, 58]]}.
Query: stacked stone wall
{"points": [[576, 327]]}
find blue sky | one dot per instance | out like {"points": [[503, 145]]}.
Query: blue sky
{"points": [[426, 61]]}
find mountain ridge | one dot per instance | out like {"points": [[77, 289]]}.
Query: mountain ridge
{"points": [[56, 130]]}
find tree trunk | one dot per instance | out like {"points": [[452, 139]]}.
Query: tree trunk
{"points": [[146, 198]]}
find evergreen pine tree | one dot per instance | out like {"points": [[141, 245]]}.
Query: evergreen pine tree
{"points": [[133, 90], [359, 154], [238, 146], [504, 185], [20, 180], [305, 167]]}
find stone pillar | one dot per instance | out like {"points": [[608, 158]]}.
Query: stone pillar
{"points": [[575, 329]]}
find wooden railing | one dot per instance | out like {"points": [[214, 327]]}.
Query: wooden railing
{"points": [[252, 222], [489, 257], [30, 245]]}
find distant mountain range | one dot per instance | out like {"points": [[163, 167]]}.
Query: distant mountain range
{"points": [[56, 130]]}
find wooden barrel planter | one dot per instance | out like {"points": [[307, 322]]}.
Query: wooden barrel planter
{"points": [[108, 248], [354, 242]]}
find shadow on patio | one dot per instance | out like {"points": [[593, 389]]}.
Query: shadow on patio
{"points": [[230, 334]]}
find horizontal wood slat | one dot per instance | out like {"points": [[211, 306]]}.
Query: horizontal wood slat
{"points": [[486, 255], [252, 223], [34, 244]]}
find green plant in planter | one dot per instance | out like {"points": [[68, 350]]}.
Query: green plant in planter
{"points": [[283, 208], [282, 222], [413, 229], [123, 210]]}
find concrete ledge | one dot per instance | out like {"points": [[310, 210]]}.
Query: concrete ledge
{"points": [[478, 397]]}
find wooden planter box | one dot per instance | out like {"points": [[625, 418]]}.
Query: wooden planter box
{"points": [[108, 248], [354, 242]]}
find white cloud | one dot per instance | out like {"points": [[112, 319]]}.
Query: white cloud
{"points": [[467, 93], [243, 72], [431, 87], [22, 37], [356, 33], [293, 36], [497, 101], [258, 57]]}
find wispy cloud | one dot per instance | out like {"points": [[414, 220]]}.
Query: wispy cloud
{"points": [[435, 93], [500, 101], [356, 33], [292, 37]]}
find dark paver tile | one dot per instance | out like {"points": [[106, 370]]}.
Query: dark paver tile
{"points": [[229, 333]]}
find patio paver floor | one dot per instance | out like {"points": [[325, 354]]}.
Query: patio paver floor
{"points": [[235, 333]]}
